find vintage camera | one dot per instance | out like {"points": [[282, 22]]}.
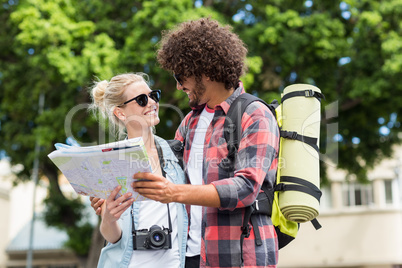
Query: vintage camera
{"points": [[154, 238]]}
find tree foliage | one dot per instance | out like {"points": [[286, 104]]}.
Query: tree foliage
{"points": [[351, 50]]}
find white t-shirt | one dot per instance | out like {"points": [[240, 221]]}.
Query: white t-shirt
{"points": [[155, 213], [194, 169]]}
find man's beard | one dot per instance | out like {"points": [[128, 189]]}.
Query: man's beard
{"points": [[197, 93]]}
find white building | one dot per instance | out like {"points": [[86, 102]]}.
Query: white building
{"points": [[16, 206], [361, 224]]}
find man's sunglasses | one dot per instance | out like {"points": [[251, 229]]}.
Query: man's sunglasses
{"points": [[142, 99], [178, 79]]}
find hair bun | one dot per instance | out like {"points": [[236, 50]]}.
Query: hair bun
{"points": [[98, 93]]}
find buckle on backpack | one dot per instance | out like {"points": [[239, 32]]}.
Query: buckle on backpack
{"points": [[289, 134], [231, 128], [308, 93], [246, 230], [279, 187]]}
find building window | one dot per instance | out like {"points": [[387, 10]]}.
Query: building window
{"points": [[326, 198], [388, 191], [355, 194]]}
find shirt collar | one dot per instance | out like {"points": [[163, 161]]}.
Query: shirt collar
{"points": [[225, 105]]}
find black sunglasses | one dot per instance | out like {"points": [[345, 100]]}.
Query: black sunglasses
{"points": [[142, 99], [178, 79]]}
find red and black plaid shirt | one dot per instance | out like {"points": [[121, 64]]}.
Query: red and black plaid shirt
{"points": [[256, 161]]}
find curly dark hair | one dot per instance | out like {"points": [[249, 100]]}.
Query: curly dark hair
{"points": [[203, 47]]}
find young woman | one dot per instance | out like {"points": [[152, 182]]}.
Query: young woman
{"points": [[160, 230]]}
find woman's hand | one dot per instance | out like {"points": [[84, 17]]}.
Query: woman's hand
{"points": [[96, 204], [115, 207], [111, 212]]}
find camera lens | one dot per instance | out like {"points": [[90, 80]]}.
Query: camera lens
{"points": [[157, 237]]}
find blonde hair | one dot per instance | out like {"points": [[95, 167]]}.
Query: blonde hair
{"points": [[106, 96]]}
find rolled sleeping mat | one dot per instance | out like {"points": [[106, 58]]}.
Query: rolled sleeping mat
{"points": [[299, 163]]}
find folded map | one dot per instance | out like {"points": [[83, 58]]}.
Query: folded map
{"points": [[98, 170]]}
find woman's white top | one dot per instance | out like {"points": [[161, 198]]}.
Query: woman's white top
{"points": [[155, 213], [146, 214]]}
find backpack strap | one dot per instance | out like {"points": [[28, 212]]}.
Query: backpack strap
{"points": [[293, 135], [232, 126], [245, 230], [177, 148], [299, 185], [308, 93]]}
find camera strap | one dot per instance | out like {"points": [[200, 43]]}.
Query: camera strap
{"points": [[162, 164]]}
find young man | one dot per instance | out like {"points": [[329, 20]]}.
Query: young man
{"points": [[207, 61]]}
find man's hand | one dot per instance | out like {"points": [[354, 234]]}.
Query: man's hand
{"points": [[154, 187], [160, 189]]}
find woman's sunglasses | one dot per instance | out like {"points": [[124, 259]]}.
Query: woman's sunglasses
{"points": [[142, 99]]}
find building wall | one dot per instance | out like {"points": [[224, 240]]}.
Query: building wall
{"points": [[363, 238], [4, 226], [5, 186], [16, 203]]}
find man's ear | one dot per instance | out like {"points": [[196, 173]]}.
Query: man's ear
{"points": [[118, 112]]}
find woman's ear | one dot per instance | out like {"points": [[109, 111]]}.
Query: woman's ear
{"points": [[118, 112]]}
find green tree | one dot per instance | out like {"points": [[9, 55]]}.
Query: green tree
{"points": [[56, 48], [45, 55], [350, 49]]}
